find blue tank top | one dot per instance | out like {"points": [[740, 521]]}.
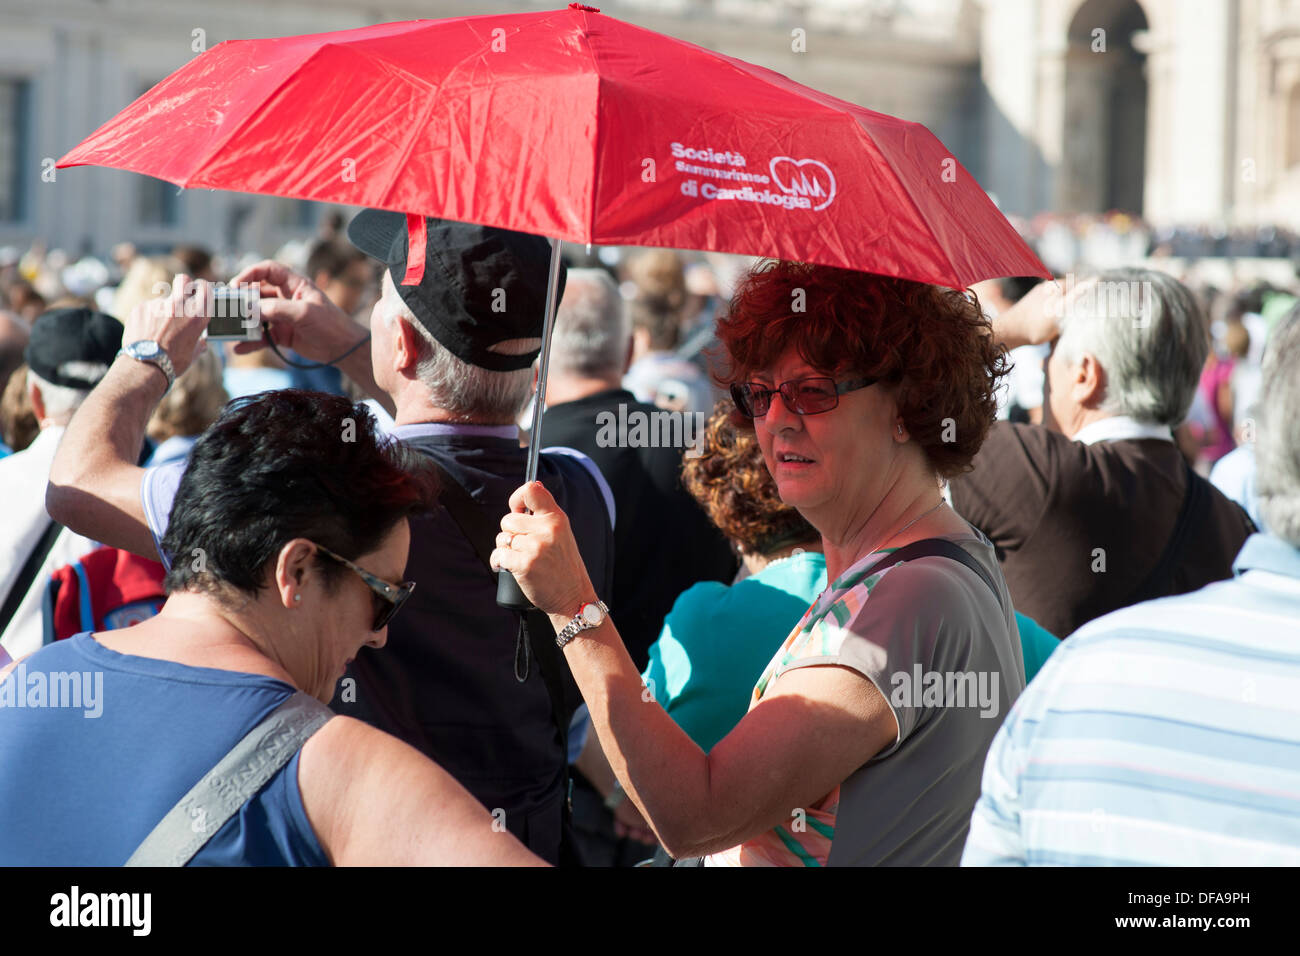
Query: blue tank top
{"points": [[97, 746]]}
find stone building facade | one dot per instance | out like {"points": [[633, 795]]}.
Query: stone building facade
{"points": [[1182, 110]]}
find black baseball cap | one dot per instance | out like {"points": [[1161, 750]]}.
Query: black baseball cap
{"points": [[73, 347], [481, 285]]}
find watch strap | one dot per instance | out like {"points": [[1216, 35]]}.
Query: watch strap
{"points": [[160, 360], [570, 630]]}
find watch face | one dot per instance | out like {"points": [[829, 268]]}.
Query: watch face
{"points": [[145, 349], [592, 614]]}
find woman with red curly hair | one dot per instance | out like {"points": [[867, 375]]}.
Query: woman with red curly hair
{"points": [[865, 737], [718, 637]]}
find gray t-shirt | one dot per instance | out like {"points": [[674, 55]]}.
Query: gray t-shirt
{"points": [[945, 654]]}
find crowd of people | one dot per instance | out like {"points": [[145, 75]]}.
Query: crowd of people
{"points": [[1009, 576], [1103, 240]]}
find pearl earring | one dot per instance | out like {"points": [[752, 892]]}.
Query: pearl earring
{"points": [[297, 597]]}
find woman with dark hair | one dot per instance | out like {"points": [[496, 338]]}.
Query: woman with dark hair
{"points": [[866, 733], [287, 541]]}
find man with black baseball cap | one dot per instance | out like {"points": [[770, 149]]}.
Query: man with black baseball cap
{"points": [[478, 286], [68, 353], [455, 334]]}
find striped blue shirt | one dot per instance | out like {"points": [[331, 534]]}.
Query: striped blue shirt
{"points": [[1164, 734]]}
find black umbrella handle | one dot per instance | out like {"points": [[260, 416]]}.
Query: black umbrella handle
{"points": [[509, 593]]}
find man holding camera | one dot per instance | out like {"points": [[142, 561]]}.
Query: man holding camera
{"points": [[451, 358]]}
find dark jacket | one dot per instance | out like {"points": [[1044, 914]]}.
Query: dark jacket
{"points": [[445, 682]]}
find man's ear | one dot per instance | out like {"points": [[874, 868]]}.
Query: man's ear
{"points": [[406, 345], [37, 400], [1088, 382], [292, 567]]}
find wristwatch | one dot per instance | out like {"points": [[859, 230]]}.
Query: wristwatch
{"points": [[588, 616], [146, 350]]}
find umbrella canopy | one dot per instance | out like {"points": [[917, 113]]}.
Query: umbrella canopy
{"points": [[572, 125]]}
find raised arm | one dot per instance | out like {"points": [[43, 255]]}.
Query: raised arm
{"points": [[1035, 319], [813, 728], [94, 486]]}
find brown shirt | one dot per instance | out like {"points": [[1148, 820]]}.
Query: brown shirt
{"points": [[1079, 528]]}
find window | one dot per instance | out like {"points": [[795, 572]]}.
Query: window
{"points": [[297, 213], [15, 136], [159, 201]]}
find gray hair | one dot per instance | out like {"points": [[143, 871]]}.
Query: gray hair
{"points": [[1277, 439], [471, 394], [60, 401], [592, 330], [1149, 335]]}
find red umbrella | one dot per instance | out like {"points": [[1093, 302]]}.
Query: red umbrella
{"points": [[573, 125]]}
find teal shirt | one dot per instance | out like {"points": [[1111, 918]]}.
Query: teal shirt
{"points": [[718, 638], [1037, 643]]}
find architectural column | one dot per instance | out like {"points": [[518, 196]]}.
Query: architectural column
{"points": [[1085, 141]]}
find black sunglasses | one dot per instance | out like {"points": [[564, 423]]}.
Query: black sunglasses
{"points": [[803, 396], [387, 597]]}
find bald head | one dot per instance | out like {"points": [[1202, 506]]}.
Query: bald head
{"points": [[591, 328]]}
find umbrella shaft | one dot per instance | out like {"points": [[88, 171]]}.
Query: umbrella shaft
{"points": [[539, 401]]}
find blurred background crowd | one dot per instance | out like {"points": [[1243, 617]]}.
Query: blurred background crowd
{"points": [[673, 300]]}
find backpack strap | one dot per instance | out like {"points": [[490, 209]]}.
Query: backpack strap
{"points": [[237, 777], [49, 606], [22, 584], [937, 548], [84, 607], [1192, 515]]}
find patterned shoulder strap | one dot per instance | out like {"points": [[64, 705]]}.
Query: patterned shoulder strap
{"points": [[228, 786]]}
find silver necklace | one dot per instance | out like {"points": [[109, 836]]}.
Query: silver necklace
{"points": [[905, 527]]}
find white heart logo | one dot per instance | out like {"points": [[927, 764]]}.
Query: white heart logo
{"points": [[810, 178]]}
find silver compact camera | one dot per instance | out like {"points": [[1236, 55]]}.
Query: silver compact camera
{"points": [[236, 314]]}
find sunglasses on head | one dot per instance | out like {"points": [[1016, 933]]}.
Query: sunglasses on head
{"points": [[803, 396], [387, 597]]}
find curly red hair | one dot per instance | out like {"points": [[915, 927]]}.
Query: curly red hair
{"points": [[932, 345], [733, 486]]}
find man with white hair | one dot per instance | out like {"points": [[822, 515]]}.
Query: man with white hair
{"points": [[68, 353], [1165, 734], [1096, 509], [455, 336]]}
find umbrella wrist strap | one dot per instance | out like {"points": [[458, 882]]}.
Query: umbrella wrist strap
{"points": [[308, 365]]}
